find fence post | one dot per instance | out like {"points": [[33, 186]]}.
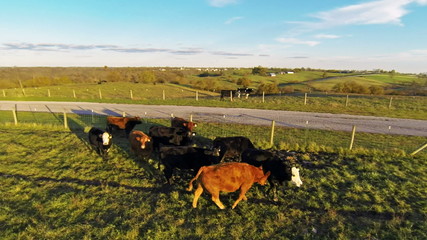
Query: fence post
{"points": [[346, 101], [389, 104], [74, 93], [305, 98], [263, 97], [231, 96], [100, 94], [4, 93], [48, 92], [272, 133], [131, 94], [164, 95], [65, 120], [15, 117], [197, 95], [191, 117], [353, 133], [419, 149]]}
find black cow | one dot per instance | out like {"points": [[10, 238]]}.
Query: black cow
{"points": [[281, 169], [162, 135], [232, 147], [122, 123], [228, 94], [101, 141], [185, 157]]}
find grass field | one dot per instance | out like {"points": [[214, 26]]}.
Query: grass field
{"points": [[171, 94], [54, 186]]}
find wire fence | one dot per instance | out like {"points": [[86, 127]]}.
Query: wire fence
{"points": [[264, 136]]}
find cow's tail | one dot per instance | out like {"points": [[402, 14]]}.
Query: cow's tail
{"points": [[190, 187]]}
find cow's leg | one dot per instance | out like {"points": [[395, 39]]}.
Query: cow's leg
{"points": [[197, 194], [215, 199], [168, 173], [243, 190]]}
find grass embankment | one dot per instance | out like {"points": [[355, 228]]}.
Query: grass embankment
{"points": [[53, 186]]}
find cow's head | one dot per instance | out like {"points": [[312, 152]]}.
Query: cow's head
{"points": [[106, 138], [263, 180], [295, 176], [143, 140], [213, 152]]}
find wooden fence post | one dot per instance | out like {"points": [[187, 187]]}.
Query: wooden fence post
{"points": [[346, 101], [389, 104], [65, 120], [263, 97], [231, 96], [419, 149], [305, 98], [164, 95], [22, 87], [92, 120], [74, 93], [191, 117], [131, 94], [353, 133], [100, 94], [15, 117], [48, 92], [272, 133], [4, 93], [197, 95]]}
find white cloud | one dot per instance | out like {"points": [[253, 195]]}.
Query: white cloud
{"points": [[297, 41], [374, 12], [327, 36], [221, 3], [233, 19]]}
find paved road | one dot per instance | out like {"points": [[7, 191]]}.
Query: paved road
{"points": [[294, 119]]}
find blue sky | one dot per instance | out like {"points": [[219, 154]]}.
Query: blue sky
{"points": [[327, 34]]}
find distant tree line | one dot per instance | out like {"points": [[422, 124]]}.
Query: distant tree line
{"points": [[205, 79]]}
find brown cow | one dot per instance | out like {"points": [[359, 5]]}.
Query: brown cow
{"points": [[122, 123], [181, 122], [227, 177], [140, 144]]}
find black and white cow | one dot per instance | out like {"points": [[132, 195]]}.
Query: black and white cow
{"points": [[232, 147], [186, 157], [281, 169], [236, 93], [101, 141], [177, 136]]}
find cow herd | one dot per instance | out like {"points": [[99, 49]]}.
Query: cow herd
{"points": [[228, 165]]}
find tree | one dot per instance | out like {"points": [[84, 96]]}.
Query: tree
{"points": [[147, 77], [244, 81], [259, 71], [376, 90], [268, 88]]}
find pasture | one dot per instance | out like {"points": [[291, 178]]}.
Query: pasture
{"points": [[172, 94], [55, 187]]}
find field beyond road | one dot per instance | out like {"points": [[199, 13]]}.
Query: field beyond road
{"points": [[293, 119]]}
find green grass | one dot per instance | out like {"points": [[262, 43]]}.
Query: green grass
{"points": [[402, 107], [54, 187]]}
